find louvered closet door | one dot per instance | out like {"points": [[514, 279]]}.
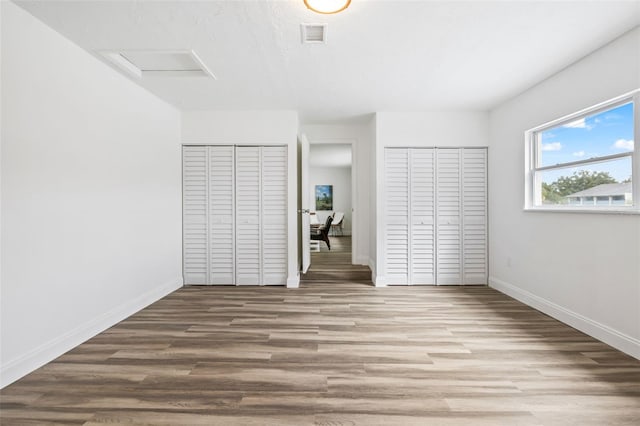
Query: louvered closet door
{"points": [[221, 215], [248, 208], [448, 207], [474, 209], [195, 214], [274, 215], [422, 211], [397, 215]]}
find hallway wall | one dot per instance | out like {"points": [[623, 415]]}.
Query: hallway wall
{"points": [[340, 178]]}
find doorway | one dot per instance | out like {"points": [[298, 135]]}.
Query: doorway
{"points": [[329, 191]]}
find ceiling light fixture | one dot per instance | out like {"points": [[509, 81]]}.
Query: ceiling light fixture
{"points": [[327, 7]]}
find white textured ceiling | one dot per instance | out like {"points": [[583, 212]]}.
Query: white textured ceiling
{"points": [[380, 55]]}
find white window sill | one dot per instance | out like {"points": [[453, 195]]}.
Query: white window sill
{"points": [[600, 210]]}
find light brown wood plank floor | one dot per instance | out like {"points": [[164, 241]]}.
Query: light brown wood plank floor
{"points": [[335, 264], [334, 353]]}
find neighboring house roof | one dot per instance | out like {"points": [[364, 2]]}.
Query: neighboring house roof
{"points": [[604, 190]]}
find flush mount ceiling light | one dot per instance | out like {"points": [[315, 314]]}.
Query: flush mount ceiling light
{"points": [[327, 7]]}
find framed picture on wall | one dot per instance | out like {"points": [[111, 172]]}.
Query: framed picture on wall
{"points": [[324, 197]]}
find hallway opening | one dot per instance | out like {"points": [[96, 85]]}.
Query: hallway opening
{"points": [[334, 266]]}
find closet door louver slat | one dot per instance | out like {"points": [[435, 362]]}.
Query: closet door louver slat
{"points": [[474, 210], [397, 215], [195, 215]]}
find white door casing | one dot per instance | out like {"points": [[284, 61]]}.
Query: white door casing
{"points": [[305, 203]]}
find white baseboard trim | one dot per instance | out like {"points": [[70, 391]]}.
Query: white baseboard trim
{"points": [[378, 281], [372, 265], [362, 260], [39, 356], [604, 333], [293, 282]]}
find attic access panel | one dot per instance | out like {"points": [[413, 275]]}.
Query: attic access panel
{"points": [[158, 63]]}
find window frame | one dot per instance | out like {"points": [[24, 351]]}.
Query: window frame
{"points": [[533, 147]]}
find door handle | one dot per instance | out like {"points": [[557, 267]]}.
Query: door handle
{"points": [[304, 211]]}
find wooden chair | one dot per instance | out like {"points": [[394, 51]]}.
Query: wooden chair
{"points": [[322, 233], [313, 220]]}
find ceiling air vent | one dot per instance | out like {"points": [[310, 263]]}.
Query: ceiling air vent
{"points": [[158, 63], [314, 33]]}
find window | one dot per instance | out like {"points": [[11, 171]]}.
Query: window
{"points": [[586, 161]]}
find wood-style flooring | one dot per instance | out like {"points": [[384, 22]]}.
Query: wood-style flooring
{"points": [[335, 264], [333, 353]]}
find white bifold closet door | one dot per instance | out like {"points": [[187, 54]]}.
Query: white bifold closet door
{"points": [[221, 214], [422, 265], [396, 236], [474, 216], [274, 215], [436, 216], [234, 215], [409, 231], [261, 215], [449, 213], [248, 215], [208, 214], [195, 227]]}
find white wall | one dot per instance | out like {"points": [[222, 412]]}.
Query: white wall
{"points": [[581, 268], [340, 178], [420, 129], [361, 138], [253, 128], [1, 9], [90, 195], [432, 128], [239, 127]]}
